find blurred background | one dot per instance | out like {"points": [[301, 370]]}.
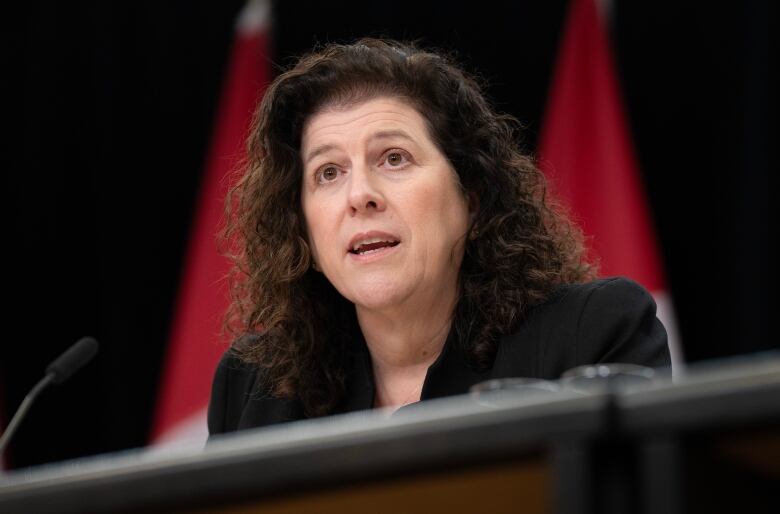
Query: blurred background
{"points": [[110, 108]]}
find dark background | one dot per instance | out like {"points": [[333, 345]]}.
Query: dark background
{"points": [[108, 107]]}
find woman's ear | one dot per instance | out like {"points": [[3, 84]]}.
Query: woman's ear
{"points": [[312, 254], [473, 205], [473, 211]]}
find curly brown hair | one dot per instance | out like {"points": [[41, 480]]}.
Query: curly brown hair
{"points": [[294, 324]]}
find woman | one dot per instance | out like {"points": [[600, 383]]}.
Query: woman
{"points": [[395, 245]]}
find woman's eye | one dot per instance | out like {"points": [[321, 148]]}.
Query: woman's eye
{"points": [[396, 159], [328, 174]]}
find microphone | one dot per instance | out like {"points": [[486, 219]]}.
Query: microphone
{"points": [[71, 360]]}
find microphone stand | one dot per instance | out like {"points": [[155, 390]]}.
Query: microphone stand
{"points": [[58, 371], [22, 410]]}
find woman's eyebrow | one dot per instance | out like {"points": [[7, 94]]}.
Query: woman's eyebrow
{"points": [[382, 134], [392, 134], [319, 150]]}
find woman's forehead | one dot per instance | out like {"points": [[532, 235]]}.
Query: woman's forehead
{"points": [[383, 117]]}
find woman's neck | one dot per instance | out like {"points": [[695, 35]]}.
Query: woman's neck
{"points": [[402, 347]]}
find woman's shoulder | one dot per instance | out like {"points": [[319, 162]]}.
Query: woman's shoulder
{"points": [[234, 371], [241, 397], [606, 320], [611, 289], [233, 385], [604, 300]]}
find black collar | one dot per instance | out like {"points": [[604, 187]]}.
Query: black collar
{"points": [[449, 375]]}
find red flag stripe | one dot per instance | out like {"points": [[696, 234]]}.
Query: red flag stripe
{"points": [[587, 153], [193, 347]]}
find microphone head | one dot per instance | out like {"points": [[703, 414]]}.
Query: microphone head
{"points": [[72, 359]]}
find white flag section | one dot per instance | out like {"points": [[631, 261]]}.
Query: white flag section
{"points": [[588, 156], [194, 348]]}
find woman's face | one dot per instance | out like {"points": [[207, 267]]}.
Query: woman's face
{"points": [[386, 217]]}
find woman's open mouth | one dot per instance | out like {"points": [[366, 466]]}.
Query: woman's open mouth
{"points": [[374, 244], [372, 247]]}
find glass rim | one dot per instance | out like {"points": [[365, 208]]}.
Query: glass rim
{"points": [[509, 383], [606, 370]]}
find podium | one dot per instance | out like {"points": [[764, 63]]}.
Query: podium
{"points": [[706, 442]]}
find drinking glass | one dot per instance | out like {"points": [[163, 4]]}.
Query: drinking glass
{"points": [[614, 377], [508, 391]]}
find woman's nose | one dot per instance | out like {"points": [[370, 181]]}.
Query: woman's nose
{"points": [[365, 194]]}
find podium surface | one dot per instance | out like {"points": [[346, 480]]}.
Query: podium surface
{"points": [[712, 436]]}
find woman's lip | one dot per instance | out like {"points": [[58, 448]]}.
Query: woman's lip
{"points": [[373, 255], [374, 234]]}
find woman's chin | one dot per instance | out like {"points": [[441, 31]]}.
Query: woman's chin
{"points": [[378, 298]]}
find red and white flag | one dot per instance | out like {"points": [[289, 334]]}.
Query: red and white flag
{"points": [[587, 154], [193, 350]]}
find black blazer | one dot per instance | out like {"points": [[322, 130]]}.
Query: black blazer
{"points": [[609, 320]]}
